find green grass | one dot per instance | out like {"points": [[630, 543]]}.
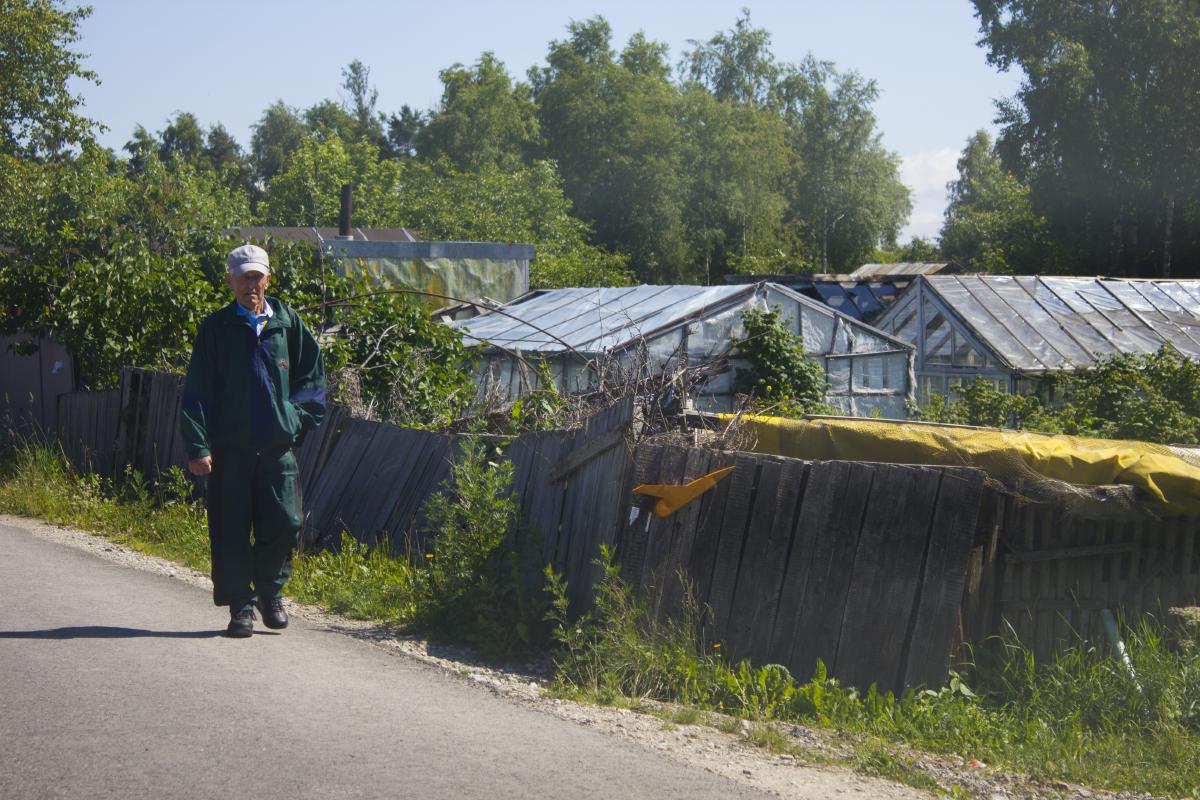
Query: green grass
{"points": [[1080, 718], [359, 582], [36, 482]]}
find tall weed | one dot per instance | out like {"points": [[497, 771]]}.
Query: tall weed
{"points": [[1080, 717], [472, 573]]}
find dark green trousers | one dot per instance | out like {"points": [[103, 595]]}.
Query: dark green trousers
{"points": [[257, 492]]}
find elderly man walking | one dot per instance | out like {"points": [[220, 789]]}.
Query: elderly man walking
{"points": [[255, 385]]}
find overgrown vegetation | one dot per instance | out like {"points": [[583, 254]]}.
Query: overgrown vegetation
{"points": [[778, 374], [1150, 398], [1082, 717], [472, 577]]}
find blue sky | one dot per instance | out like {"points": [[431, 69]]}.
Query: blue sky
{"points": [[226, 61]]}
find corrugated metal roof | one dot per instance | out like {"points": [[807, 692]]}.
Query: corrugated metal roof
{"points": [[594, 320], [1039, 324], [911, 268]]}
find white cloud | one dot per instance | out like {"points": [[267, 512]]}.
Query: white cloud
{"points": [[926, 173]]}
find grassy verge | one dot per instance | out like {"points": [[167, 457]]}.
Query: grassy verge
{"points": [[467, 586], [1082, 718]]}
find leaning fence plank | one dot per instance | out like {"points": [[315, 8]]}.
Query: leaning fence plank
{"points": [[660, 531], [324, 519], [757, 580], [827, 537], [710, 520], [767, 553], [632, 543], [683, 537], [744, 482], [887, 571], [943, 578], [608, 485]]}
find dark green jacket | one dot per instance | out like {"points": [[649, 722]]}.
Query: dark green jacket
{"points": [[251, 392]]}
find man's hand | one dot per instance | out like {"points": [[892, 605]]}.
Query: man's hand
{"points": [[200, 466]]}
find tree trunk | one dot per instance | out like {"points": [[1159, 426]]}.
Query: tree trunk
{"points": [[1168, 224], [825, 238]]}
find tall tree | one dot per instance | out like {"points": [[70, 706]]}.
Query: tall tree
{"points": [[483, 118], [360, 101], [1103, 125], [610, 122], [849, 197], [38, 113], [183, 138], [329, 118], [990, 225], [403, 130], [736, 66], [844, 194], [278, 132], [740, 171]]}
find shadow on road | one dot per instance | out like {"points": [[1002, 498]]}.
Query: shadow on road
{"points": [[106, 632]]}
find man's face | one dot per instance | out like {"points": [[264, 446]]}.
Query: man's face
{"points": [[249, 288]]}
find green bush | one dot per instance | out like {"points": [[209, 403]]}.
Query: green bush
{"points": [[1149, 398], [778, 373], [472, 571]]}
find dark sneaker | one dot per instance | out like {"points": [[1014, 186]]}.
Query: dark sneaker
{"points": [[274, 617], [241, 623]]}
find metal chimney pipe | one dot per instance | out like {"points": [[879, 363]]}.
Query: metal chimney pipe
{"points": [[347, 211]]}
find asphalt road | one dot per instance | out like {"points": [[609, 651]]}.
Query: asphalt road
{"points": [[115, 682]]}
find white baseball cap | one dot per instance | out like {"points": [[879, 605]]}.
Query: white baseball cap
{"points": [[248, 258]]}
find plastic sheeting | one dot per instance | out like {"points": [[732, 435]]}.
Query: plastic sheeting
{"points": [[1156, 470], [666, 322], [1038, 324], [469, 279]]}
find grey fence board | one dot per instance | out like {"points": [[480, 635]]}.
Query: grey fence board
{"points": [[885, 575], [87, 429], [849, 563]]}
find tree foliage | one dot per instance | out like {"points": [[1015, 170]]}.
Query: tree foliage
{"points": [[1102, 128], [609, 122], [484, 119], [39, 115], [842, 190]]}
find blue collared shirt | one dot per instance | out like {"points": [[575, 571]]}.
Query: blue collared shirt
{"points": [[259, 321]]}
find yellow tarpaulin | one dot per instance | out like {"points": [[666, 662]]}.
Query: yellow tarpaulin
{"points": [[1155, 469]]}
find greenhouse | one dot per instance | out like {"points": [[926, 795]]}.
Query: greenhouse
{"points": [[661, 328], [1011, 330]]}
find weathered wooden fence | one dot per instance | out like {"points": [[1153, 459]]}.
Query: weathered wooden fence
{"points": [[859, 565], [878, 570], [1048, 575], [87, 429]]}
